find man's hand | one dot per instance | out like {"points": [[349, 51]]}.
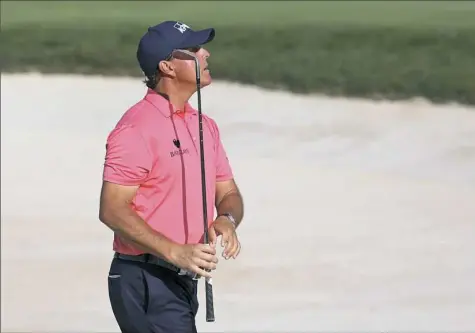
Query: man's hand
{"points": [[194, 257], [223, 227]]}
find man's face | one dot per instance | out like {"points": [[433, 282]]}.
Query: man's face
{"points": [[184, 66]]}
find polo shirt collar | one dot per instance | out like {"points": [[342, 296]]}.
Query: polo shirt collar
{"points": [[162, 102]]}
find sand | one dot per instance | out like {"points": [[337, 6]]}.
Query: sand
{"points": [[359, 215]]}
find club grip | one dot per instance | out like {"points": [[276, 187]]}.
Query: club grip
{"points": [[209, 301]]}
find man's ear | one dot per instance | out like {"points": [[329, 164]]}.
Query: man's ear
{"points": [[166, 68]]}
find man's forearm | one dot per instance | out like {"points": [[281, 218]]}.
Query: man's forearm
{"points": [[233, 204], [128, 225]]}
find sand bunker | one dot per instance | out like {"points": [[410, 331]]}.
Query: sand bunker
{"points": [[359, 215]]}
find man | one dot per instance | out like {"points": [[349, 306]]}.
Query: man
{"points": [[151, 195]]}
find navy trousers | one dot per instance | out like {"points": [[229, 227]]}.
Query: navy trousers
{"points": [[146, 298]]}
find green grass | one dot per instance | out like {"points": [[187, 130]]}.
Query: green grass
{"points": [[368, 49], [267, 13]]}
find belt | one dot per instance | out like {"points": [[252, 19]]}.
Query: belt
{"points": [[151, 259]]}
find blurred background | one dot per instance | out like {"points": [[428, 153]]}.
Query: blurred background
{"points": [[350, 126], [392, 49]]}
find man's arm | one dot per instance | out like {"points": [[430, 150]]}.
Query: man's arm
{"points": [[116, 213], [127, 165], [229, 200], [228, 197]]}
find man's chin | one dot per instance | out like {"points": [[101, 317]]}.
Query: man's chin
{"points": [[204, 82]]}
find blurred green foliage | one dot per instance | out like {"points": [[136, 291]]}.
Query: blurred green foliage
{"points": [[370, 49]]}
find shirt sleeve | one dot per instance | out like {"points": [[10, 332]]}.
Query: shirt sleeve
{"points": [[127, 160], [223, 167]]}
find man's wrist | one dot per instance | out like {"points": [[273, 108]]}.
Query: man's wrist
{"points": [[230, 218], [167, 251]]}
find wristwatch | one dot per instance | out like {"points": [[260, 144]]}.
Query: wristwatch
{"points": [[230, 218]]}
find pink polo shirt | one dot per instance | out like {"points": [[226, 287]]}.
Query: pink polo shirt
{"points": [[159, 150]]}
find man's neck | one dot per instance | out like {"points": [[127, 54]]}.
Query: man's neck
{"points": [[177, 97]]}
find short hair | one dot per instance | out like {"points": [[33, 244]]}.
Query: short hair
{"points": [[152, 81]]}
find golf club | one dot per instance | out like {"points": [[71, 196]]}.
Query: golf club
{"points": [[208, 281]]}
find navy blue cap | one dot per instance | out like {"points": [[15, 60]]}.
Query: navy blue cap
{"points": [[162, 39]]}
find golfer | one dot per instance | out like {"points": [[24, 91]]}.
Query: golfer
{"points": [[151, 195]]}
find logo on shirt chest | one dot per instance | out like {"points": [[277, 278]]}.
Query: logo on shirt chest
{"points": [[179, 151]]}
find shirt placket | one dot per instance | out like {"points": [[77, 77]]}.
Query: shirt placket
{"points": [[187, 122]]}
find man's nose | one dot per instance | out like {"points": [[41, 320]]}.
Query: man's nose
{"points": [[205, 53]]}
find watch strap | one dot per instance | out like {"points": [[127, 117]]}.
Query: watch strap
{"points": [[230, 218]]}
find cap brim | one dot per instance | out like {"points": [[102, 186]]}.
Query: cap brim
{"points": [[199, 37]]}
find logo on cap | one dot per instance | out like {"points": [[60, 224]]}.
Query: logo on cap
{"points": [[181, 27]]}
